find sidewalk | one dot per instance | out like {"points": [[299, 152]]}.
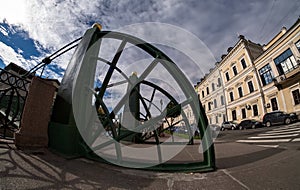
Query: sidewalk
{"points": [[240, 166]]}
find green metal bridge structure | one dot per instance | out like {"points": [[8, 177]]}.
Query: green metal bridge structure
{"points": [[104, 110]]}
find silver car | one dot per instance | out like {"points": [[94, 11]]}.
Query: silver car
{"points": [[228, 125]]}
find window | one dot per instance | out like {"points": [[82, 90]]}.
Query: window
{"points": [[240, 92], [219, 82], [207, 90], [274, 104], [233, 113], [266, 74], [296, 96], [213, 86], [202, 94], [210, 120], [255, 110], [250, 86], [243, 63], [234, 70], [209, 105], [231, 96], [215, 103], [217, 119], [222, 100], [243, 113], [297, 44], [285, 62], [227, 76]]}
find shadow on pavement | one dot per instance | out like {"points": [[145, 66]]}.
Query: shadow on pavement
{"points": [[44, 170], [239, 160]]}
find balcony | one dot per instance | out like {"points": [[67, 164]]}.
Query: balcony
{"points": [[293, 72], [284, 79]]}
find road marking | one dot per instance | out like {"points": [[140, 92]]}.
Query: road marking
{"points": [[282, 130], [278, 133], [264, 141], [287, 127], [296, 140], [235, 179], [273, 137], [268, 146]]}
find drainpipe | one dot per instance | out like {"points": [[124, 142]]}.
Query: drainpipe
{"points": [[259, 82], [260, 90]]}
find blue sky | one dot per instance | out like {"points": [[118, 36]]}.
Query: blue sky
{"points": [[33, 29], [18, 40]]}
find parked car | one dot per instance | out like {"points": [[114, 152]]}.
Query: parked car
{"points": [[228, 125], [278, 117], [249, 123]]}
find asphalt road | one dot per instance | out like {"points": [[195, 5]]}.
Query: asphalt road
{"points": [[266, 158]]}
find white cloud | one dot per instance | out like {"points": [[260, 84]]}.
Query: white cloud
{"points": [[14, 11], [8, 55], [53, 23], [3, 31]]}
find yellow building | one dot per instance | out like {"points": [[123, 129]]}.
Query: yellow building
{"points": [[241, 87], [279, 71], [252, 80]]}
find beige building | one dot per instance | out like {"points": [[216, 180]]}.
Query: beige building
{"points": [[241, 87], [211, 93], [279, 71], [254, 79]]}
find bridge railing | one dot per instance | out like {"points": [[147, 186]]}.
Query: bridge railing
{"points": [[13, 93]]}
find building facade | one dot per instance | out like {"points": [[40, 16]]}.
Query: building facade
{"points": [[211, 93], [279, 71], [241, 87], [254, 79]]}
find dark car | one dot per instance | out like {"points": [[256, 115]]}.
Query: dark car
{"points": [[249, 123], [278, 117], [228, 125]]}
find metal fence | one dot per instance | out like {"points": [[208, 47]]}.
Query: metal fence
{"points": [[13, 93]]}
